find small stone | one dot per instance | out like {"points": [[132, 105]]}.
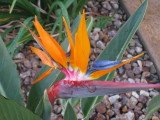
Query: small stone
{"points": [[112, 33], [144, 93], [27, 64], [25, 74], [19, 56], [135, 95], [120, 70], [137, 70], [132, 102], [155, 118], [115, 6], [127, 66], [113, 119], [106, 5], [153, 69], [57, 109], [101, 35], [154, 93], [130, 116], [124, 109], [96, 30], [138, 49], [117, 106], [130, 80], [116, 16], [27, 81], [97, 50], [129, 94], [140, 64], [101, 108], [141, 117], [121, 117], [80, 116], [148, 63], [129, 56], [110, 113], [93, 43], [100, 45], [130, 74], [106, 39], [90, 4], [92, 57], [132, 51], [143, 99], [113, 99], [100, 117], [117, 23], [132, 43]]}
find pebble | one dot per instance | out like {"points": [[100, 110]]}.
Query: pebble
{"points": [[130, 80], [138, 50], [148, 63], [121, 117], [101, 108], [132, 43], [117, 23], [106, 5], [153, 69], [113, 99], [137, 70], [96, 30], [132, 51], [100, 117], [155, 118], [144, 93], [19, 56], [57, 109], [100, 45], [130, 116], [94, 36], [154, 93], [27, 64], [80, 116], [27, 81], [110, 113], [132, 102], [124, 109], [135, 95], [115, 6], [25, 74]]}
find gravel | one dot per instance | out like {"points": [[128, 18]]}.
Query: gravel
{"points": [[127, 106]]}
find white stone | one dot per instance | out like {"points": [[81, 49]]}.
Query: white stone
{"points": [[130, 80], [135, 95], [130, 115], [138, 49], [144, 93], [113, 99]]}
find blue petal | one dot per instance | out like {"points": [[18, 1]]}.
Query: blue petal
{"points": [[102, 65]]}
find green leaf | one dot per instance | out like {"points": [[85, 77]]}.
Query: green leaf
{"points": [[115, 50], [21, 34], [10, 110], [9, 78], [69, 113], [12, 6], [38, 88], [153, 106]]}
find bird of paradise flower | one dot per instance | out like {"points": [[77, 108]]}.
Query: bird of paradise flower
{"points": [[77, 82]]}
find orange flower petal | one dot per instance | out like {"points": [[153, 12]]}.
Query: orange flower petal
{"points": [[43, 75], [70, 39], [43, 56], [82, 46], [100, 73], [38, 40], [51, 45]]}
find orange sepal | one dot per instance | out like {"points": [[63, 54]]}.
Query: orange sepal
{"points": [[70, 39], [82, 46], [43, 75], [100, 73], [43, 56], [51, 45]]}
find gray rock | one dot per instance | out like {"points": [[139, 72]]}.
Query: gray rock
{"points": [[130, 80], [154, 93], [137, 70], [138, 49], [101, 108], [132, 51], [153, 69], [25, 74], [115, 6], [113, 99], [106, 5], [117, 23], [100, 45], [135, 94], [144, 93], [130, 116], [27, 64], [148, 63], [121, 117], [110, 113], [96, 30], [132, 102], [19, 56]]}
